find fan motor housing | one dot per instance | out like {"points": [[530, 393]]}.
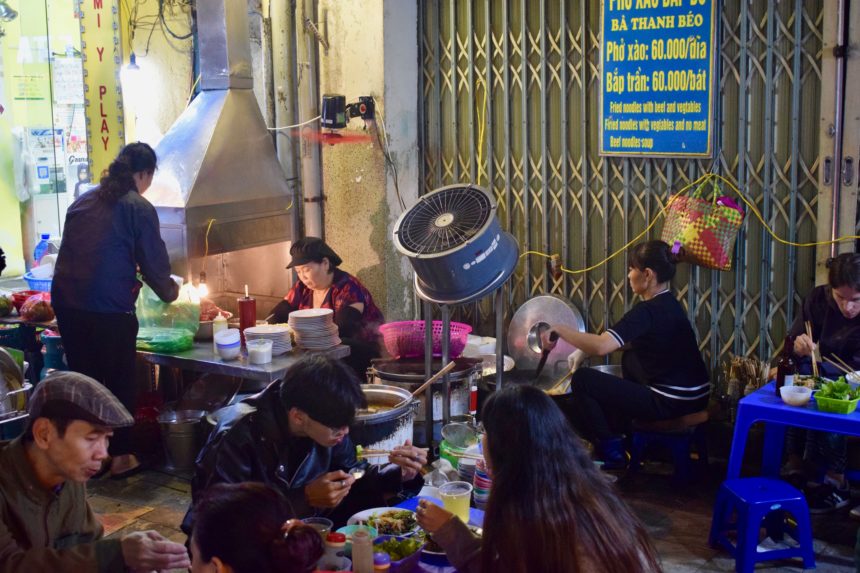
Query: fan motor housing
{"points": [[456, 245]]}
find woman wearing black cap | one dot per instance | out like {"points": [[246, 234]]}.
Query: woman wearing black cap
{"points": [[322, 284]]}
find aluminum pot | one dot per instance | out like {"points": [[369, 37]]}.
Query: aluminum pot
{"points": [[390, 426], [409, 375]]}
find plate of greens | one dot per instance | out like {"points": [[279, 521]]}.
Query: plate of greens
{"points": [[387, 520], [837, 397]]}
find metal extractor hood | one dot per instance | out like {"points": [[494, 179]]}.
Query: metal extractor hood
{"points": [[217, 163]]}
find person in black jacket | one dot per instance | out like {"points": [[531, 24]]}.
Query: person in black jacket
{"points": [[109, 234], [294, 436]]}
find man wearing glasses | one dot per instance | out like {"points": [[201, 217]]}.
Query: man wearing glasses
{"points": [[294, 436]]}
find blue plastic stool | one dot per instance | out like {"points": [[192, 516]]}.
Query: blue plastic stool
{"points": [[753, 500], [679, 435]]}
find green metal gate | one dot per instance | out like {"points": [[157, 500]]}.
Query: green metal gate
{"points": [[511, 94]]}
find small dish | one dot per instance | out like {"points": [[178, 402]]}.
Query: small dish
{"points": [[795, 395]]}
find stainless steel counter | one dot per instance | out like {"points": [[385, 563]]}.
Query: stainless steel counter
{"points": [[201, 359]]}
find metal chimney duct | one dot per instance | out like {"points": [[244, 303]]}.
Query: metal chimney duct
{"points": [[218, 160]]}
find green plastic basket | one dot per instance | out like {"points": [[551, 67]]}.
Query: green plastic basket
{"points": [[836, 406]]}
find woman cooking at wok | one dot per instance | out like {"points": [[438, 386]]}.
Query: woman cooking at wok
{"points": [[664, 374], [322, 284]]}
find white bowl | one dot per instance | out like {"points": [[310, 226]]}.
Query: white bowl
{"points": [[795, 395], [227, 337]]}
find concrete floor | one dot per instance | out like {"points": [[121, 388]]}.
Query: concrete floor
{"points": [[678, 519]]}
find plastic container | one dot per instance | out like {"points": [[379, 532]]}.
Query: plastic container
{"points": [[247, 313], [228, 344], [348, 530], [332, 558], [259, 351], [795, 395], [836, 406], [408, 563], [41, 285], [218, 324], [381, 562], [406, 339], [362, 552]]}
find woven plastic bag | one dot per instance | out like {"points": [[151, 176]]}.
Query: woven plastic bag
{"points": [[703, 230], [167, 327]]}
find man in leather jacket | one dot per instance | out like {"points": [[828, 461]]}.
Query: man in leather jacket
{"points": [[294, 436]]}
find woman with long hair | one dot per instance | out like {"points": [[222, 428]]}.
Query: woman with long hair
{"points": [[664, 376], [549, 508], [244, 528], [109, 234]]}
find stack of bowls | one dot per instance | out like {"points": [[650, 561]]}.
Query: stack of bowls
{"points": [[483, 483], [466, 469], [228, 343]]}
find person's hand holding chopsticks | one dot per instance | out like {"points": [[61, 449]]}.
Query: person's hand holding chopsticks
{"points": [[410, 459], [803, 345]]}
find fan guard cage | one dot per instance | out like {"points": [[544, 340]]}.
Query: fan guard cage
{"points": [[445, 220]]}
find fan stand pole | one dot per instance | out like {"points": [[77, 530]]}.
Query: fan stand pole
{"points": [[428, 371], [500, 335], [446, 357]]}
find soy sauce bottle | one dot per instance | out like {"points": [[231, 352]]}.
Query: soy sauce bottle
{"points": [[786, 367]]}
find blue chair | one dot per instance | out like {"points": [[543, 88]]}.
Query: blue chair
{"points": [[742, 504], [679, 435]]}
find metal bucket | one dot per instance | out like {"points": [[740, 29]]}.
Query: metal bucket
{"points": [[182, 435], [386, 429], [409, 375]]}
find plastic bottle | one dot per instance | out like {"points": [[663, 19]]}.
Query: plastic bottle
{"points": [[381, 562], [362, 552], [41, 248], [218, 324], [335, 545], [786, 367]]}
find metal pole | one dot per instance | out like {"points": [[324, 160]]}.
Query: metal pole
{"points": [[500, 335], [446, 380], [839, 53], [428, 372], [309, 108]]}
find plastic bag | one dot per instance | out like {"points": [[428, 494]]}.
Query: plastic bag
{"points": [[37, 308], [164, 322], [167, 340]]}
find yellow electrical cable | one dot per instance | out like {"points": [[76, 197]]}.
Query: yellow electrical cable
{"points": [[206, 241], [482, 115], [653, 222]]}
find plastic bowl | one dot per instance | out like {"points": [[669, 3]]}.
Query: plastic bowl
{"points": [[795, 395], [348, 530], [228, 337], [228, 351], [407, 564], [41, 285], [20, 297]]}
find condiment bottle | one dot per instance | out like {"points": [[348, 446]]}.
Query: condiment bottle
{"points": [[247, 313], [218, 324], [381, 562], [335, 544], [362, 552], [786, 367]]}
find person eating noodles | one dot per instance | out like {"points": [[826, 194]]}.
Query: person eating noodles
{"points": [[322, 284], [549, 508], [833, 313], [664, 376], [294, 436]]}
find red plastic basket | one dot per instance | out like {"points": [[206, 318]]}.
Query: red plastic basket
{"points": [[406, 339]]}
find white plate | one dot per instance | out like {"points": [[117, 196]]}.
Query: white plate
{"points": [[267, 330], [361, 518], [311, 313]]}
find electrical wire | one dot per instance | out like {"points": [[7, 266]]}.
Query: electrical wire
{"points": [[313, 119], [382, 139], [703, 179]]}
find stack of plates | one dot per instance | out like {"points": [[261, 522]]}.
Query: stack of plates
{"points": [[314, 328], [277, 333], [483, 483]]}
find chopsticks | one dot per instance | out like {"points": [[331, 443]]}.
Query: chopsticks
{"points": [[467, 455], [814, 361], [840, 367]]}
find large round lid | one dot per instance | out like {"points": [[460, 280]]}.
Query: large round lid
{"points": [[540, 312]]}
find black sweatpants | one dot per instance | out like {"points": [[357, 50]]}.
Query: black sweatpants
{"points": [[601, 406], [102, 346]]}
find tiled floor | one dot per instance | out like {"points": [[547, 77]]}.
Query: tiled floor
{"points": [[678, 519]]}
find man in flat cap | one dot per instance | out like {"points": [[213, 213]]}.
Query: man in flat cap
{"points": [[46, 523]]}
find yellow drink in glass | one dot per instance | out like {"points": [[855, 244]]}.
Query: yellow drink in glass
{"points": [[456, 496]]}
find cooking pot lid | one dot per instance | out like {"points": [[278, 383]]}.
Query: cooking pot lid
{"points": [[523, 336]]}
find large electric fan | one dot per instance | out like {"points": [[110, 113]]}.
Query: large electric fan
{"points": [[456, 245]]}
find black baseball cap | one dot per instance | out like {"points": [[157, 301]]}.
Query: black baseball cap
{"points": [[312, 250]]}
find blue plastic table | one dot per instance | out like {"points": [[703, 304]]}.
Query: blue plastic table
{"points": [[476, 517], [764, 406]]}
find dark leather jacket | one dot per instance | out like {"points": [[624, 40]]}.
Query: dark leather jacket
{"points": [[252, 443]]}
